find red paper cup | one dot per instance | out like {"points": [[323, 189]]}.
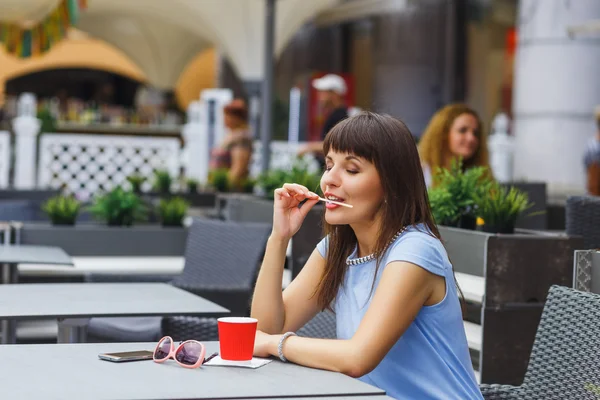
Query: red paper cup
{"points": [[236, 338]]}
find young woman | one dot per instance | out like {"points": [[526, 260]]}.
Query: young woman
{"points": [[381, 268], [234, 153], [454, 131]]}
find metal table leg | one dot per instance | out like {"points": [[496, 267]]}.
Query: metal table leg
{"points": [[72, 330], [9, 274], [9, 327]]}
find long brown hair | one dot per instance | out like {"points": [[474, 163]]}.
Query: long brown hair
{"points": [[434, 148], [388, 144]]}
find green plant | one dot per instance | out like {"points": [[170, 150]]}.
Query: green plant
{"points": [[136, 182], [444, 210], [162, 181], [62, 210], [119, 208], [501, 206], [247, 185], [48, 122], [299, 173], [192, 185], [172, 211], [219, 179], [456, 191]]}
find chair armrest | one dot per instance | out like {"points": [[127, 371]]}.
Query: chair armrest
{"points": [[501, 392]]}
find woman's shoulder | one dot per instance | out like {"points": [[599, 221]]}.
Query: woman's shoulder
{"points": [[420, 246]]}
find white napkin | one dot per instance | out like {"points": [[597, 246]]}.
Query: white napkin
{"points": [[254, 363]]}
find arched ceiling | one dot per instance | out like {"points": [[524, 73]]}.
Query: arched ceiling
{"points": [[236, 27], [161, 49]]}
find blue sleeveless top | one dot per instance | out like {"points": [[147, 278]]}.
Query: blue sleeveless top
{"points": [[431, 360]]}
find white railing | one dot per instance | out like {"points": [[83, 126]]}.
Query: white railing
{"points": [[86, 164], [283, 156], [4, 158]]}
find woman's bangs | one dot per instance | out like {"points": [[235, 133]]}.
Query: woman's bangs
{"points": [[352, 136]]}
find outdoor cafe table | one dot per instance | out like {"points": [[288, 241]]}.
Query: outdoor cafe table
{"points": [[73, 303], [13, 255], [73, 371]]}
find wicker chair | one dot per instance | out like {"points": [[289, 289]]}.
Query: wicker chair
{"points": [[565, 359], [322, 326], [221, 264], [582, 215]]}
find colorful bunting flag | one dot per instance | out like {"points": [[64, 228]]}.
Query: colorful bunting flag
{"points": [[37, 40]]}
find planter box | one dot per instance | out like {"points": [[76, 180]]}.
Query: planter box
{"points": [[200, 199], [517, 271], [101, 240]]}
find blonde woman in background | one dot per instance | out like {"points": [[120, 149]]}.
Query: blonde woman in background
{"points": [[454, 131]]}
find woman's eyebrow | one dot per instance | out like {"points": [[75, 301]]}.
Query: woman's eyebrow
{"points": [[351, 157]]}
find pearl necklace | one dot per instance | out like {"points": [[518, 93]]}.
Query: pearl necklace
{"points": [[362, 260]]}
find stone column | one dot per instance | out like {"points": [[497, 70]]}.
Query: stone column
{"points": [[556, 87]]}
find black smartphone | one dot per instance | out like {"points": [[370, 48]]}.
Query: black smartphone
{"points": [[127, 356]]}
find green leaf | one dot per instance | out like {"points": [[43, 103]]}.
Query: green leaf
{"points": [[162, 181], [456, 191], [172, 211], [119, 208], [501, 205], [62, 210]]}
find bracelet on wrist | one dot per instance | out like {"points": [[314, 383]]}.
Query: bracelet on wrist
{"points": [[280, 345]]}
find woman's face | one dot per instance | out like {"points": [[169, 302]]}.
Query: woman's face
{"points": [[463, 139], [230, 121], [352, 180]]}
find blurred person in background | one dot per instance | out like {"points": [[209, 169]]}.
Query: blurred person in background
{"points": [[591, 159], [235, 151], [455, 131], [331, 91]]}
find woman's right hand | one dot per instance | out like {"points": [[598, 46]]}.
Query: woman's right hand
{"points": [[287, 217]]}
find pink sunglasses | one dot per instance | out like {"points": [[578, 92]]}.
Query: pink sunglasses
{"points": [[189, 354]]}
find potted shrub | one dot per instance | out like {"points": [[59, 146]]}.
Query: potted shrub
{"points": [[192, 185], [453, 199], [219, 180], [172, 211], [119, 208], [62, 210], [162, 182], [445, 211], [136, 181], [299, 173], [248, 185], [500, 208]]}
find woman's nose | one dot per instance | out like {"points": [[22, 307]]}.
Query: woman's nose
{"points": [[472, 137], [330, 178]]}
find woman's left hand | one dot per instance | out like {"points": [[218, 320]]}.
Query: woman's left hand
{"points": [[263, 342]]}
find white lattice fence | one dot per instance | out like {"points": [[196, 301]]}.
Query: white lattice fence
{"points": [[283, 155], [4, 158], [87, 164]]}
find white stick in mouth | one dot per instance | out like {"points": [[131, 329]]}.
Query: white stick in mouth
{"points": [[336, 202]]}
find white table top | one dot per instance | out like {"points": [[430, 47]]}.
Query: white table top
{"points": [[73, 371], [86, 300], [25, 254]]}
